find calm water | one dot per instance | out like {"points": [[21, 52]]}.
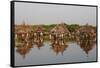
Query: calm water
{"points": [[51, 53]]}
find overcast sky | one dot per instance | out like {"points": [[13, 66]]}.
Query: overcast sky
{"points": [[36, 13]]}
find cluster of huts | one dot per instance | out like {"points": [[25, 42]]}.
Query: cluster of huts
{"points": [[25, 32], [58, 32]]}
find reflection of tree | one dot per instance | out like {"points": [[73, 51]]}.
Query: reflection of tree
{"points": [[58, 46], [24, 48], [87, 45]]}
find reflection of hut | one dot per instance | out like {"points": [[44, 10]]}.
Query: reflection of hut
{"points": [[59, 46], [87, 45], [59, 30], [38, 42], [24, 49], [86, 33]]}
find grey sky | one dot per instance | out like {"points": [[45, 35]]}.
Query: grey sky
{"points": [[35, 13]]}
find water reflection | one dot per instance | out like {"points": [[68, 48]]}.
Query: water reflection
{"points": [[25, 48], [87, 45], [38, 42], [39, 51], [58, 46]]}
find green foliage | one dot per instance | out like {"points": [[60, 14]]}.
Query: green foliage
{"points": [[72, 27]]}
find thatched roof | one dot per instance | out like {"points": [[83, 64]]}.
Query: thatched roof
{"points": [[87, 29], [59, 28], [38, 28], [23, 28]]}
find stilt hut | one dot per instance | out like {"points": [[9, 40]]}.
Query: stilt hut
{"points": [[59, 31], [38, 31], [86, 33], [23, 31]]}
